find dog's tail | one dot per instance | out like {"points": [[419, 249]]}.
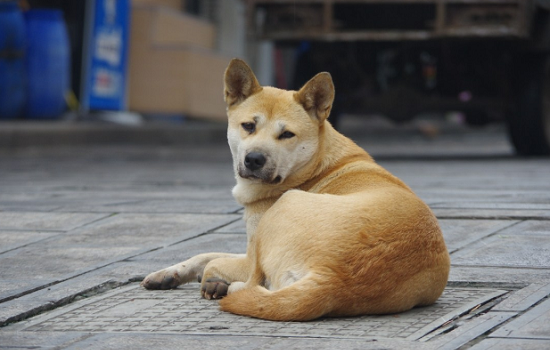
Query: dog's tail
{"points": [[304, 300]]}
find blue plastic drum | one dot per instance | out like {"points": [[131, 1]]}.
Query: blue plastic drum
{"points": [[12, 61], [48, 64]]}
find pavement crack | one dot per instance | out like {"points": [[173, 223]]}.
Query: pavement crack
{"points": [[93, 291]]}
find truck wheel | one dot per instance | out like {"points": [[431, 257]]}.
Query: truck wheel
{"points": [[529, 119]]}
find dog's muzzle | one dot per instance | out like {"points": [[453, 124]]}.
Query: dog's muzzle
{"points": [[254, 168], [254, 161]]}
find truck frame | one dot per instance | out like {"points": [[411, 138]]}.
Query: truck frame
{"points": [[486, 58]]}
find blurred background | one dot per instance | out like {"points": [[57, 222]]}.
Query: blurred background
{"points": [[422, 65]]}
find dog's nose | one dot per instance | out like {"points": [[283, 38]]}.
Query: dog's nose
{"points": [[254, 160]]}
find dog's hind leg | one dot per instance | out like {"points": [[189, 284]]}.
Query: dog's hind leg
{"points": [[184, 272]]}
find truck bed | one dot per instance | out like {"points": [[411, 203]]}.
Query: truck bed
{"points": [[388, 20]]}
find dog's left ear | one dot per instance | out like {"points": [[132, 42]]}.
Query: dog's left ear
{"points": [[317, 96], [240, 82]]}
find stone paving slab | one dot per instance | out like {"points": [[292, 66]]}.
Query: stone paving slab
{"points": [[236, 227], [459, 232], [199, 206], [46, 221], [534, 324], [491, 205], [472, 329], [518, 277], [522, 245], [46, 340], [13, 239], [495, 214], [484, 184], [134, 309], [51, 297], [173, 254], [118, 167], [462, 176], [113, 239], [179, 199], [512, 344], [525, 298], [132, 341], [484, 198]]}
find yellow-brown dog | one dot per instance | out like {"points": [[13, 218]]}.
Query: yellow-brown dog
{"points": [[330, 232]]}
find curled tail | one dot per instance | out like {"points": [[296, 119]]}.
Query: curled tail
{"points": [[301, 301]]}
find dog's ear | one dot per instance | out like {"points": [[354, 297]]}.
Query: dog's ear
{"points": [[240, 82], [317, 96]]}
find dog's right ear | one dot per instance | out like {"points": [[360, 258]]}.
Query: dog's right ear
{"points": [[240, 82]]}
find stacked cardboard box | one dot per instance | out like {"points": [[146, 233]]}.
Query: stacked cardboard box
{"points": [[173, 66]]}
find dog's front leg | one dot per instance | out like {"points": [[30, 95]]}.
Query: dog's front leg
{"points": [[185, 272], [220, 273]]}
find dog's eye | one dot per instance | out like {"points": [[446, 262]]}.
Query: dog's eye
{"points": [[249, 127], [286, 135]]}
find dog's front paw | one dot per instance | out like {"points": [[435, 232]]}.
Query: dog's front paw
{"points": [[214, 288], [163, 279]]}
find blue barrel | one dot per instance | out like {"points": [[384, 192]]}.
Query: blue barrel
{"points": [[48, 64], [12, 63]]}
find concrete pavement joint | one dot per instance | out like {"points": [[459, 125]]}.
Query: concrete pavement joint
{"points": [[94, 222], [31, 242], [482, 239], [27, 292], [59, 233], [206, 233], [109, 285], [505, 217], [497, 285]]}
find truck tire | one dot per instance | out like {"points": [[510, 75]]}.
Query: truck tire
{"points": [[529, 119]]}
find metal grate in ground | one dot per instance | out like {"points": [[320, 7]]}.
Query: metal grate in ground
{"points": [[133, 309]]}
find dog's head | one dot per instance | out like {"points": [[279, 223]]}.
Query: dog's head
{"points": [[273, 133]]}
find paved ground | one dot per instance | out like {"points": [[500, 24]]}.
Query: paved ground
{"points": [[81, 225]]}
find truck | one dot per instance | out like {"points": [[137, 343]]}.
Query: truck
{"points": [[487, 59]]}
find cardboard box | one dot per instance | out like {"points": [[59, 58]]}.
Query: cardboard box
{"points": [[171, 74], [172, 28], [162, 26]]}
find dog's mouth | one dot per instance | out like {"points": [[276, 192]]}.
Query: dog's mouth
{"points": [[268, 180], [277, 180]]}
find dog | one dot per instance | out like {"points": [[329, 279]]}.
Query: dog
{"points": [[329, 232]]}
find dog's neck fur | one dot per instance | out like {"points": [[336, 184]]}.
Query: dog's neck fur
{"points": [[333, 150]]}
